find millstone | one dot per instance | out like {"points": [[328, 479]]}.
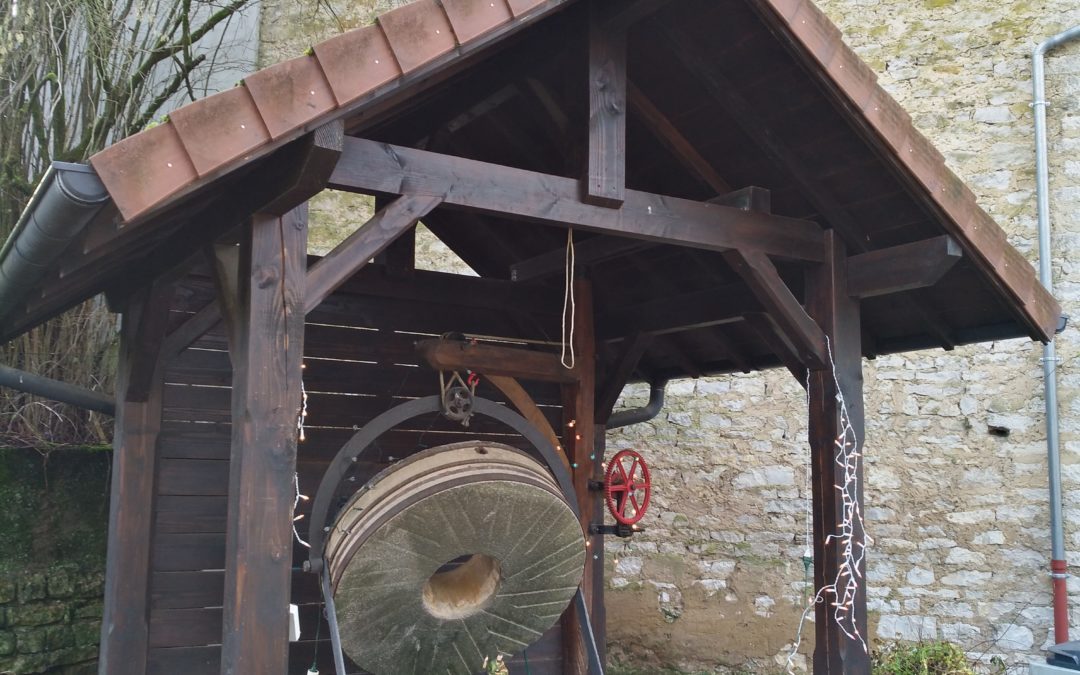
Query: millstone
{"points": [[457, 554]]}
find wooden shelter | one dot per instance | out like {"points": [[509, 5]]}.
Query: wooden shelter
{"points": [[742, 196]]}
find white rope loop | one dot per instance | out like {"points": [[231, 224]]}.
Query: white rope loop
{"points": [[568, 304]]}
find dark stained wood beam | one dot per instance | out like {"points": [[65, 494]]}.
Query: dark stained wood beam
{"points": [[682, 149], [634, 11], [323, 150], [265, 404], [605, 184], [379, 168], [676, 313], [750, 198], [772, 336], [587, 252], [796, 326], [725, 92], [838, 313], [125, 624], [489, 359], [734, 353], [361, 246], [753, 124], [525, 404], [579, 443], [596, 250], [901, 268], [607, 394]]}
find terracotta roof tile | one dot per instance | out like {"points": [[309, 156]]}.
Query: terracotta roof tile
{"points": [[290, 93], [471, 18], [356, 62], [144, 169], [418, 32], [219, 129]]}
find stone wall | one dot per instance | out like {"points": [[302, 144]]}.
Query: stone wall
{"points": [[51, 620], [52, 563], [956, 468]]}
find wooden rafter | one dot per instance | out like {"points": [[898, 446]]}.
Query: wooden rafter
{"points": [[379, 168], [681, 148]]}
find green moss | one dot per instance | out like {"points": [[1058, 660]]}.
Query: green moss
{"points": [[55, 512], [937, 4]]}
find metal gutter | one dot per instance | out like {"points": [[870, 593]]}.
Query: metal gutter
{"points": [[625, 418], [1058, 566], [64, 202]]}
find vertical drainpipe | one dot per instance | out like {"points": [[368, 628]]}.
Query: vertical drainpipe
{"points": [[1058, 568]]}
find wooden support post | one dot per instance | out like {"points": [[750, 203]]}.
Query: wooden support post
{"points": [[606, 183], [124, 626], [265, 402], [579, 440], [836, 653]]}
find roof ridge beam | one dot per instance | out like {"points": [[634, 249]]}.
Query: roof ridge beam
{"points": [[378, 168]]}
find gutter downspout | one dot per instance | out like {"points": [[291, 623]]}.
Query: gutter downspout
{"points": [[1058, 568], [625, 418]]}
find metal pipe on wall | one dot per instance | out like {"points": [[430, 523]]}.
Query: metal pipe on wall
{"points": [[1049, 359]]}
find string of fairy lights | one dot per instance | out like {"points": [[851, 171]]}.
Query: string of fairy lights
{"points": [[850, 535], [301, 418]]}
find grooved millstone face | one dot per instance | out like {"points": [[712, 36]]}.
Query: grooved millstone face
{"points": [[487, 501]]}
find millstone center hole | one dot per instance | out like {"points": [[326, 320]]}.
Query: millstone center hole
{"points": [[462, 587]]}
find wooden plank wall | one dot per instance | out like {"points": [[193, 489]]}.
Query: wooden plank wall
{"points": [[360, 361]]}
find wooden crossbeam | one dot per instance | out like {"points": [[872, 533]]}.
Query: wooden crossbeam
{"points": [[605, 184], [491, 359], [588, 252], [634, 347], [379, 168], [772, 336], [901, 268], [365, 243], [599, 249], [796, 326]]}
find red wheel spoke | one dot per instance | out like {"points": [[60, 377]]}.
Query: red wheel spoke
{"points": [[627, 487]]}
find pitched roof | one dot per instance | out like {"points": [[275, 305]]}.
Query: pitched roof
{"points": [[766, 90]]}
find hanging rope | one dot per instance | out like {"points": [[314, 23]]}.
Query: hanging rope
{"points": [[568, 304]]}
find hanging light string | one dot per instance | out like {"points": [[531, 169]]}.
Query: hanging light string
{"points": [[300, 421], [850, 532], [568, 304]]}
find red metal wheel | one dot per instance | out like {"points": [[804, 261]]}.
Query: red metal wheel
{"points": [[627, 487]]}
